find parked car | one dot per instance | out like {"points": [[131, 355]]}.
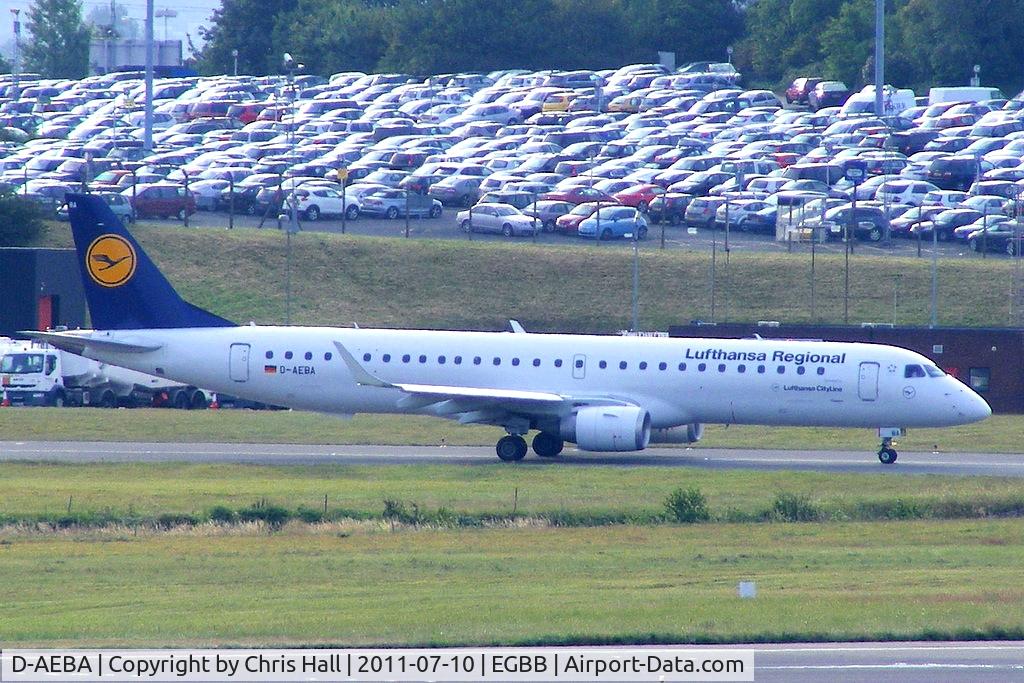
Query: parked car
{"points": [[499, 218], [828, 94], [314, 201], [953, 173], [668, 207], [799, 89], [548, 211], [945, 224], [119, 204], [1007, 236], [160, 200], [520, 200], [580, 194], [392, 203], [611, 222], [702, 210], [639, 196]]}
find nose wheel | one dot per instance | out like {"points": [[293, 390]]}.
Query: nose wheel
{"points": [[887, 454]]}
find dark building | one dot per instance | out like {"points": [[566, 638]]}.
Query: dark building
{"points": [[39, 288], [990, 361]]}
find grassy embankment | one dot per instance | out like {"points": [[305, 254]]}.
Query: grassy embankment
{"points": [[575, 287]]}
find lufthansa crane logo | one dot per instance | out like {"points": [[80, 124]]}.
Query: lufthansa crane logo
{"points": [[110, 260]]}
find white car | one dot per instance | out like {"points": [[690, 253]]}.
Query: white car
{"points": [[313, 201], [207, 192], [738, 210], [910, 192], [947, 198], [499, 218]]}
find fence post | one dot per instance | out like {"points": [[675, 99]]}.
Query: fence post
{"points": [[231, 200]]}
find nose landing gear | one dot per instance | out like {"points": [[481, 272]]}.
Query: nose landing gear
{"points": [[887, 454]]}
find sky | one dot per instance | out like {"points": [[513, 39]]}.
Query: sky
{"points": [[191, 15]]}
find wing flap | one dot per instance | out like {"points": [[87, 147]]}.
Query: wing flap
{"points": [[77, 343]]}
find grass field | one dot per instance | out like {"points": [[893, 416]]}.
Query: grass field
{"points": [[146, 490], [578, 287], [998, 434], [516, 586]]}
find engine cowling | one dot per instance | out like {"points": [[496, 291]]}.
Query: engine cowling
{"points": [[611, 428], [690, 433]]}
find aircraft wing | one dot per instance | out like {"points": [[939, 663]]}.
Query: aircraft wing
{"points": [[472, 404]]}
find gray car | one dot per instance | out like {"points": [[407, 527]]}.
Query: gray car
{"points": [[547, 212]]}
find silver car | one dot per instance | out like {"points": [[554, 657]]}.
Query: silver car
{"points": [[498, 218]]}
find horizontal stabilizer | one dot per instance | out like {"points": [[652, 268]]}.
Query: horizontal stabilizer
{"points": [[77, 343]]}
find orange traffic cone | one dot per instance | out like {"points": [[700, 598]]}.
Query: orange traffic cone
{"points": [[5, 402], [214, 404]]}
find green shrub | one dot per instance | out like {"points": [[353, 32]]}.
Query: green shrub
{"points": [[21, 220], [309, 515], [687, 506], [223, 515], [791, 507], [170, 520], [274, 515]]}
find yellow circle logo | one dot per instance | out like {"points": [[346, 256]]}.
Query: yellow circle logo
{"points": [[110, 260]]}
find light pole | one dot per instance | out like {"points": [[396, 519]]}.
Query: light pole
{"points": [[234, 57], [636, 279], [16, 66], [165, 13], [293, 224]]}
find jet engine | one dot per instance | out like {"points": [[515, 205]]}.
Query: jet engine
{"points": [[690, 433], [608, 428]]}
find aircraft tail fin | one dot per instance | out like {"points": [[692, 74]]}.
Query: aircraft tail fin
{"points": [[124, 288]]}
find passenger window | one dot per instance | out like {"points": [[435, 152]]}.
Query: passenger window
{"points": [[423, 359], [440, 360], [741, 369], [643, 365], [405, 358], [497, 361], [536, 362], [800, 370], [458, 360], [558, 362], [821, 371], [309, 355], [603, 364], [760, 369], [663, 366], [270, 354], [701, 367], [781, 369], [328, 356], [476, 360], [288, 355], [622, 365], [913, 371], [386, 357], [721, 367], [515, 362], [682, 367], [579, 363]]}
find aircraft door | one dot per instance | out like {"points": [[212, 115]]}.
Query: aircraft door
{"points": [[239, 363], [867, 383], [579, 366]]}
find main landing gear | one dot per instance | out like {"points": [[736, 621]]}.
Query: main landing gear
{"points": [[887, 454], [513, 447]]}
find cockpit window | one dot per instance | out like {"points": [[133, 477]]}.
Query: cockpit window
{"points": [[934, 371], [913, 371]]}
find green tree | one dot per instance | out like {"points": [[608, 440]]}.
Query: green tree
{"points": [[58, 45], [693, 29], [20, 220], [249, 27], [329, 37], [989, 33]]}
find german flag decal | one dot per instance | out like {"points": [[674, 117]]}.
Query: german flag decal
{"points": [[270, 369]]}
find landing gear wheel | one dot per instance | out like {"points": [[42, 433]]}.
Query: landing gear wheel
{"points": [[511, 448], [887, 455], [547, 445]]}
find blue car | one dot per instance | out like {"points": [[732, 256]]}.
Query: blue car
{"points": [[611, 222]]}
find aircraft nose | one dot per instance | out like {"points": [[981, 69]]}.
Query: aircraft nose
{"points": [[974, 407]]}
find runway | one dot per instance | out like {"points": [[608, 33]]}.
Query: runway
{"points": [[906, 662], [865, 462]]}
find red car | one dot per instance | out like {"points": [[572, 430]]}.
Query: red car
{"points": [[579, 195], [799, 89], [639, 196], [569, 223]]}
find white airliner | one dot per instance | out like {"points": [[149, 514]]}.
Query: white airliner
{"points": [[602, 393]]}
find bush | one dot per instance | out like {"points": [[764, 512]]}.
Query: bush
{"points": [[791, 507], [170, 520], [687, 506], [20, 221], [309, 515], [274, 515], [223, 515]]}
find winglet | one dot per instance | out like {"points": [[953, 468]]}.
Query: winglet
{"points": [[361, 375], [517, 327]]}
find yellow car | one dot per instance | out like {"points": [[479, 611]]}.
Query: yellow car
{"points": [[558, 101]]}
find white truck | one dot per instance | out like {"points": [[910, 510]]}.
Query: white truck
{"points": [[39, 375]]}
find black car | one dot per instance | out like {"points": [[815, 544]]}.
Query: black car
{"points": [[1006, 237], [953, 173], [909, 142], [762, 221], [828, 94], [669, 207], [945, 224], [870, 222]]}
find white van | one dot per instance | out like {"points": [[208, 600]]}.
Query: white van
{"points": [[893, 101], [963, 94]]}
